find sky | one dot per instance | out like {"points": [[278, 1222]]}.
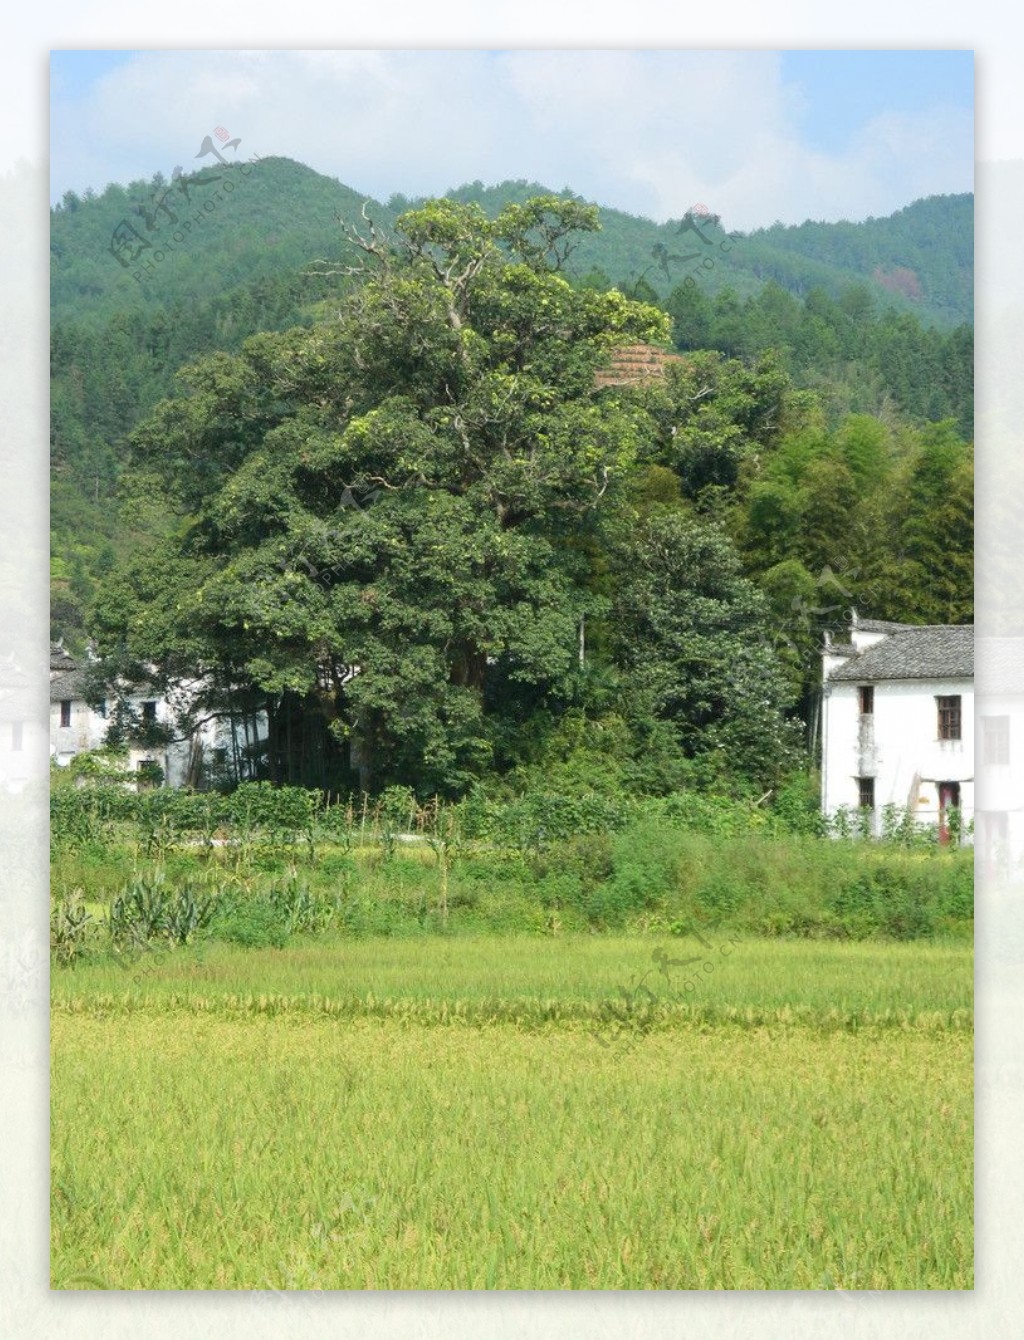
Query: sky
{"points": [[757, 136]]}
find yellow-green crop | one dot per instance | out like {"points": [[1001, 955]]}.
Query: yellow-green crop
{"points": [[239, 1122]]}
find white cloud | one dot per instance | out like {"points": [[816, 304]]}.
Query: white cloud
{"points": [[650, 132]]}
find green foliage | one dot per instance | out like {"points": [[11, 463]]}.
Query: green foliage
{"points": [[71, 924], [279, 216], [302, 910], [454, 398], [256, 923], [283, 813], [932, 238], [693, 638], [796, 805], [152, 907], [859, 357], [866, 517], [543, 863], [109, 765]]}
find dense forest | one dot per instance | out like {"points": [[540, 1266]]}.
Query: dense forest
{"points": [[382, 484]]}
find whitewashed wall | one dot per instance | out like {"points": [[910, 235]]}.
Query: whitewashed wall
{"points": [[88, 729], [898, 745]]}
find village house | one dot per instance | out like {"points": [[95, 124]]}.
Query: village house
{"points": [[77, 726], [898, 722]]}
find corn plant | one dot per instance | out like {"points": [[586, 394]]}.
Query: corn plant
{"points": [[70, 921], [299, 909], [140, 911], [189, 911], [440, 826]]}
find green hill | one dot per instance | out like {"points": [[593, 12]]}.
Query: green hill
{"points": [[218, 230], [918, 260], [280, 215]]}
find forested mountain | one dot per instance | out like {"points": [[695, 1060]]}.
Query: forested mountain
{"points": [[924, 252], [281, 215], [919, 259], [237, 225]]}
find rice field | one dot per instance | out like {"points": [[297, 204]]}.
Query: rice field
{"points": [[521, 1113]]}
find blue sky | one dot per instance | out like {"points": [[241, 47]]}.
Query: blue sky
{"points": [[73, 74], [843, 89], [756, 135]]}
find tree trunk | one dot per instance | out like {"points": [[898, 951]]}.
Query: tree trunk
{"points": [[469, 668]]}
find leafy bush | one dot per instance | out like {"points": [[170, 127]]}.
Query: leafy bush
{"points": [[796, 806], [254, 922], [300, 910], [647, 862]]}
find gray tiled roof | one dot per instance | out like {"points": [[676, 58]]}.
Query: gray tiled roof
{"points": [[881, 626], [69, 684], [934, 651], [60, 659]]}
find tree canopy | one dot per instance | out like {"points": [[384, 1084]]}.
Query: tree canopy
{"points": [[370, 515]]}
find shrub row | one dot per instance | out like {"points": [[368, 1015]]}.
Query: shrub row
{"points": [[758, 884], [530, 823]]}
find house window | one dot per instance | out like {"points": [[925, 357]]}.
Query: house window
{"points": [[866, 793], [102, 708], [149, 711], [995, 740], [866, 699], [17, 736], [949, 717], [65, 712]]}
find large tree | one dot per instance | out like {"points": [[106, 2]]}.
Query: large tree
{"points": [[365, 520]]}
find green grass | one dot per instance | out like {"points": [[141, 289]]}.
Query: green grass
{"points": [[490, 1113]]}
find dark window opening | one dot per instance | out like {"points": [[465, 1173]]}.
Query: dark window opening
{"points": [[65, 712], [102, 708], [866, 793], [995, 740], [149, 711], [866, 699], [949, 717]]}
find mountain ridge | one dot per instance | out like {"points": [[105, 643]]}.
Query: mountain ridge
{"points": [[283, 215]]}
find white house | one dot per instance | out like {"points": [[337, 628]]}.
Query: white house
{"points": [[898, 721], [75, 727]]}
